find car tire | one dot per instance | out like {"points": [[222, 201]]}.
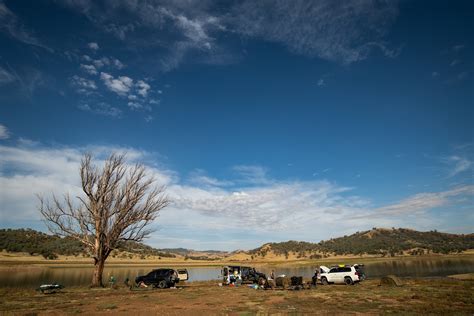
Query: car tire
{"points": [[324, 281], [162, 284], [348, 281]]}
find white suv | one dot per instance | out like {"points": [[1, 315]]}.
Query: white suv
{"points": [[342, 274]]}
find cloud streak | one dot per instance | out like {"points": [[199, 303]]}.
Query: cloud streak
{"points": [[11, 25], [338, 31], [342, 32], [249, 204], [4, 133]]}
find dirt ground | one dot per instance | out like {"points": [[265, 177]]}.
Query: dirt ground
{"points": [[416, 296]]}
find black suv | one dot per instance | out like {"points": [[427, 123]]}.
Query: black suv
{"points": [[161, 278]]}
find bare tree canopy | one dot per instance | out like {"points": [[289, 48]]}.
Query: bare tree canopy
{"points": [[119, 203]]}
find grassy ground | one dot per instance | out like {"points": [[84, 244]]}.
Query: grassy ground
{"points": [[416, 296]]}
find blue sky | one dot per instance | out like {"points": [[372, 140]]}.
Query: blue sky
{"points": [[266, 121]]}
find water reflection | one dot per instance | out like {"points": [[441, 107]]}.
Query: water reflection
{"points": [[80, 276]]}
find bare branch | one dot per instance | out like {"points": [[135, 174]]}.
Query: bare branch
{"points": [[119, 203]]}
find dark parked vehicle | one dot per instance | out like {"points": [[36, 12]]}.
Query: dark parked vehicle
{"points": [[161, 278], [231, 274]]}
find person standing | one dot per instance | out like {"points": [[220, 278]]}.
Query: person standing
{"points": [[314, 279]]}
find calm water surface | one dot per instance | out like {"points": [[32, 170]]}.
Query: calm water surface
{"points": [[79, 276]]}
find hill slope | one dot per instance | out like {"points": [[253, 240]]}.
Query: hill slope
{"points": [[34, 243], [378, 241], [373, 242]]}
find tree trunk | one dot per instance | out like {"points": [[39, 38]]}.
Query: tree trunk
{"points": [[99, 264]]}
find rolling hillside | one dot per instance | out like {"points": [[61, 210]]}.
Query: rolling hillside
{"points": [[378, 241], [375, 242]]}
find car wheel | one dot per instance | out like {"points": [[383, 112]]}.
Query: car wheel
{"points": [[162, 284], [324, 281], [348, 281]]}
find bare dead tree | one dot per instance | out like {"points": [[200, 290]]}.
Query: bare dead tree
{"points": [[118, 204]]}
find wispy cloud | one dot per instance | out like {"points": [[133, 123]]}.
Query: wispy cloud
{"points": [[90, 69], [338, 31], [251, 203], [6, 77], [252, 174], [199, 177], [11, 25], [101, 108], [4, 133], [459, 164], [83, 85], [420, 203], [343, 32]]}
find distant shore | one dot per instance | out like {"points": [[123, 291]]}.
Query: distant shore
{"points": [[20, 259]]}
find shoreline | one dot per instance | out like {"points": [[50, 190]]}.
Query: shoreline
{"points": [[16, 261]]}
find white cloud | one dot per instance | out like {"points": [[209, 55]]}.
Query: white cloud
{"points": [[90, 69], [120, 85], [421, 202], [4, 133], [101, 108], [83, 85], [321, 83], [94, 46], [252, 174], [99, 63], [212, 211], [135, 105], [143, 88], [6, 77], [199, 177], [117, 63], [460, 164]]}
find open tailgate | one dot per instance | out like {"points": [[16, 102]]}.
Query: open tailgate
{"points": [[183, 274]]}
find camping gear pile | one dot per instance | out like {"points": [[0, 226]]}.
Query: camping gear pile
{"points": [[50, 288]]}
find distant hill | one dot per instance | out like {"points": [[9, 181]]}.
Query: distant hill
{"points": [[49, 246], [378, 241]]}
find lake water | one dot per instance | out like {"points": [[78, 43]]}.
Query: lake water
{"points": [[78, 276]]}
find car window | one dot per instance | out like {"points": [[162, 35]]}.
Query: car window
{"points": [[151, 274], [333, 270]]}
